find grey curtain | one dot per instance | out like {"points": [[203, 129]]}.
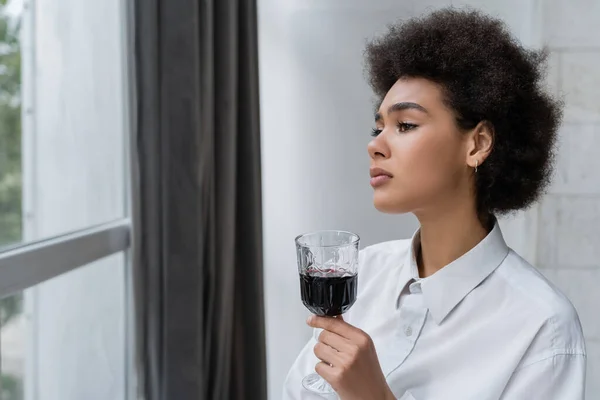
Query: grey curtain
{"points": [[197, 201]]}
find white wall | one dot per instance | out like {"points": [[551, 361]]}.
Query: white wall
{"points": [[568, 244], [317, 112], [73, 151]]}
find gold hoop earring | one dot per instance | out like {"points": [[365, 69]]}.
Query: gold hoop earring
{"points": [[476, 165]]}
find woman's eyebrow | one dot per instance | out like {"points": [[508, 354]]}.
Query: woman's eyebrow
{"points": [[405, 105]]}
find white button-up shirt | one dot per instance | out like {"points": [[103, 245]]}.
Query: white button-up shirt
{"points": [[487, 326]]}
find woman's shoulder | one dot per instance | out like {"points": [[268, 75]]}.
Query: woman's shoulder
{"points": [[391, 247], [533, 291], [384, 254], [533, 286]]}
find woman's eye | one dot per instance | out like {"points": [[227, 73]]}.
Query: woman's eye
{"points": [[406, 126], [402, 127], [375, 132]]}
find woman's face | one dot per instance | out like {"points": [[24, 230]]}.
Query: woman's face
{"points": [[418, 154]]}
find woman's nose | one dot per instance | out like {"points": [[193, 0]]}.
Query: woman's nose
{"points": [[378, 147]]}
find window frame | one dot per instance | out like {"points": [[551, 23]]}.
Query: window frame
{"points": [[29, 264], [25, 265]]}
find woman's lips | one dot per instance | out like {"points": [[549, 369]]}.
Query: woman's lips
{"points": [[379, 180]]}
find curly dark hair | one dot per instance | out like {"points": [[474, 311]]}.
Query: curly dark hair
{"points": [[486, 75]]}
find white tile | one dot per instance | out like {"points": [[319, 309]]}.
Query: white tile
{"points": [[546, 233], [553, 78], [579, 82], [593, 370], [577, 169], [581, 287], [571, 23], [569, 232], [520, 232]]}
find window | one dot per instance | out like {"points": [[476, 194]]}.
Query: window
{"points": [[63, 200], [11, 195]]}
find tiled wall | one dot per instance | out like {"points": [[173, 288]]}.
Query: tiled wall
{"points": [[568, 239]]}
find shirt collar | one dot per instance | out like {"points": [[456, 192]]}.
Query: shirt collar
{"points": [[446, 288], [409, 271]]}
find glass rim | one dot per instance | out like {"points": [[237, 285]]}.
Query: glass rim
{"points": [[353, 242]]}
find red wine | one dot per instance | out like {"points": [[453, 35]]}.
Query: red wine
{"points": [[327, 294]]}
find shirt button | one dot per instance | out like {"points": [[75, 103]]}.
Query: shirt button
{"points": [[408, 331], [415, 288]]}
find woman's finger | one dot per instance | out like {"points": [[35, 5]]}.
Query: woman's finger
{"points": [[327, 354], [335, 325], [334, 340], [325, 371]]}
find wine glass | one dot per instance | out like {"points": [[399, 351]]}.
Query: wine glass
{"points": [[328, 266]]}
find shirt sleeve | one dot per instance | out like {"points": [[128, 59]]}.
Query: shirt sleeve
{"points": [[303, 366], [559, 377]]}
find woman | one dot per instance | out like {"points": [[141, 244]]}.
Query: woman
{"points": [[464, 133]]}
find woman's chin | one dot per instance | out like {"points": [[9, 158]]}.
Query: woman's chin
{"points": [[389, 204]]}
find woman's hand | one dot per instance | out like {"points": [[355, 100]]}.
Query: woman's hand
{"points": [[349, 361]]}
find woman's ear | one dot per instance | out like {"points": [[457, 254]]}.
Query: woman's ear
{"points": [[480, 142]]}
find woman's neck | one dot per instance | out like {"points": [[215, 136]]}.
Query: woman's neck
{"points": [[447, 237]]}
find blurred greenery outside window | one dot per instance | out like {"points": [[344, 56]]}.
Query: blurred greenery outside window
{"points": [[10, 169]]}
